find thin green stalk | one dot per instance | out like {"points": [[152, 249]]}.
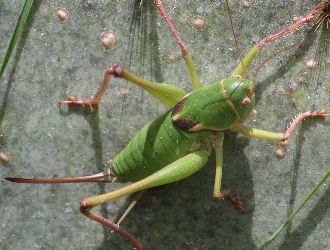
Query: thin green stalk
{"points": [[16, 34], [279, 230]]}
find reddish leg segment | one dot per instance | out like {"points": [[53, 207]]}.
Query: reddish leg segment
{"points": [[300, 118], [118, 71], [267, 135], [306, 19], [227, 193], [252, 53], [185, 54], [100, 177], [94, 101], [84, 209], [166, 94], [170, 24]]}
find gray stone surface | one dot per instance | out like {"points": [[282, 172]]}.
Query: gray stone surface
{"points": [[56, 59]]}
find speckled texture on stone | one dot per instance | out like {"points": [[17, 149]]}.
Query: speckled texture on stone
{"points": [[56, 59]]}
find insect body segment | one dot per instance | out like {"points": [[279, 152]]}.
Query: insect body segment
{"points": [[218, 106], [156, 145]]}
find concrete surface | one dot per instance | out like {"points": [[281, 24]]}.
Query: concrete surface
{"points": [[56, 59]]}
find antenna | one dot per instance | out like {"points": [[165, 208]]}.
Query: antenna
{"points": [[235, 39], [262, 64]]}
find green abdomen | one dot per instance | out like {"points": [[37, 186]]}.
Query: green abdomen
{"points": [[155, 146]]}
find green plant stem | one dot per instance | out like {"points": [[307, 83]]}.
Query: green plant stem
{"points": [[16, 34]]}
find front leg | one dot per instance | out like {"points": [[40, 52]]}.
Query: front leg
{"points": [[184, 51], [166, 94], [267, 135], [245, 63]]}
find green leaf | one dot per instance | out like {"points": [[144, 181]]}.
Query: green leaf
{"points": [[16, 34]]}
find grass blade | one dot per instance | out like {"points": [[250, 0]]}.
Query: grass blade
{"points": [[16, 34], [279, 230]]}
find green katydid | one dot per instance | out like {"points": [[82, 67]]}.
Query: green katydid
{"points": [[189, 132]]}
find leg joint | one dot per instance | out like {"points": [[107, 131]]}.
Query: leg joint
{"points": [[116, 70], [84, 206]]}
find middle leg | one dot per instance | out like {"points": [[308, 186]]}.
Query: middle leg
{"points": [[226, 192]]}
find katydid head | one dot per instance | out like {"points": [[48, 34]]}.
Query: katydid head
{"points": [[240, 93], [217, 106]]}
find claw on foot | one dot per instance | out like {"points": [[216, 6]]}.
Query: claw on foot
{"points": [[227, 193], [115, 70], [71, 100]]}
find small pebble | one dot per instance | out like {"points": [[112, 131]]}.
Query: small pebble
{"points": [[123, 92], [108, 40], [246, 3], [62, 14], [4, 158], [171, 57], [198, 23], [280, 91], [284, 143], [310, 64], [279, 153], [295, 19]]}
